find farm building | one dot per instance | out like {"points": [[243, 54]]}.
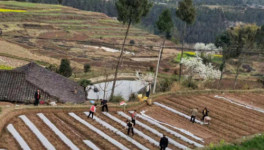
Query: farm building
{"points": [[20, 85]]}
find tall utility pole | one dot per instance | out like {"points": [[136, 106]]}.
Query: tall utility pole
{"points": [[157, 70]]}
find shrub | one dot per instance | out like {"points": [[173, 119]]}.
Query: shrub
{"points": [[164, 85], [52, 68], [166, 69], [261, 80], [117, 99], [132, 42], [176, 72], [3, 67], [151, 68], [65, 68], [190, 84], [86, 68], [84, 82], [100, 37], [133, 97]]}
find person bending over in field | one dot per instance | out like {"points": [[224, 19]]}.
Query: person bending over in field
{"points": [[205, 113], [130, 127], [92, 111], [104, 105]]}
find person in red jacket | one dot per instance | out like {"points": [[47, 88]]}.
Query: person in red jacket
{"points": [[133, 117], [92, 110]]}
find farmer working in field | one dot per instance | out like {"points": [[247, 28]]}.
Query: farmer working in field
{"points": [[133, 117], [130, 127], [37, 97], [164, 142], [104, 105], [205, 113], [194, 113], [92, 110]]}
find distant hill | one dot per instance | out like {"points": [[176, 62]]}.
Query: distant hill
{"points": [[213, 16]]}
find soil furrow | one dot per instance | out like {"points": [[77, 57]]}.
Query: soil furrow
{"points": [[47, 132], [68, 131], [86, 132]]}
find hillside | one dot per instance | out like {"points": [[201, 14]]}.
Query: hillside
{"points": [[213, 16], [56, 32]]}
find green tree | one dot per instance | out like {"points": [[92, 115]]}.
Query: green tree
{"points": [[165, 25], [187, 13], [84, 83], [235, 41], [129, 11], [260, 37], [86, 68], [65, 68]]}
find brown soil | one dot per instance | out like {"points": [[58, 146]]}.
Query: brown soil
{"points": [[229, 121], [47, 132], [68, 131], [86, 132], [27, 134], [8, 141]]}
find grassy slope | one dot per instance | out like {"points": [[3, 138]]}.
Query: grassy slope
{"points": [[257, 143], [56, 32]]}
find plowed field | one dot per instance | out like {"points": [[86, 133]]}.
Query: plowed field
{"points": [[229, 122]]}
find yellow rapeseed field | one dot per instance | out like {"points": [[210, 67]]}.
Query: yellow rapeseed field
{"points": [[11, 10]]}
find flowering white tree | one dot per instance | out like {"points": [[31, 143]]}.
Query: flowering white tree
{"points": [[195, 67]]}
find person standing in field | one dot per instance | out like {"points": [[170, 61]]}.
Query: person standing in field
{"points": [[104, 105], [194, 113], [37, 97], [130, 127], [148, 88], [133, 117], [92, 110], [205, 113], [164, 142]]}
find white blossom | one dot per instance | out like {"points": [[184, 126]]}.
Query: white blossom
{"points": [[195, 67]]}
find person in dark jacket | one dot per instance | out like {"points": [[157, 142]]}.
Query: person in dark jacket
{"points": [[104, 105], [164, 142], [37, 97], [130, 127], [205, 113]]}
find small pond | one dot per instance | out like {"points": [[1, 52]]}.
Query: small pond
{"points": [[123, 88]]}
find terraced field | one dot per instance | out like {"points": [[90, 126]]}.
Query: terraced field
{"points": [[169, 115], [57, 32]]}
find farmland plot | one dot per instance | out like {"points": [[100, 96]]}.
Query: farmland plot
{"points": [[74, 130]]}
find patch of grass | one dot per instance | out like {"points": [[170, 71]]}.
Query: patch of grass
{"points": [[66, 21], [25, 59], [217, 58], [28, 5], [257, 143], [117, 99], [3, 67]]}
